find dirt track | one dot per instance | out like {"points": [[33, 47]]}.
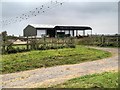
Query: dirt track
{"points": [[54, 75]]}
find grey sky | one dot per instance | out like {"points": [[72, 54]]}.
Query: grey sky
{"points": [[101, 16]]}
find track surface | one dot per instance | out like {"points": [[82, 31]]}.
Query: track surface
{"points": [[45, 77]]}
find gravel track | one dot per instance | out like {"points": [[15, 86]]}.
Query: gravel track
{"points": [[45, 77]]}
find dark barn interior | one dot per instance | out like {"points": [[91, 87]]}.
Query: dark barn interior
{"points": [[51, 32]]}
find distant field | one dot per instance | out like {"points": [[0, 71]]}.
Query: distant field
{"points": [[104, 80], [48, 58]]}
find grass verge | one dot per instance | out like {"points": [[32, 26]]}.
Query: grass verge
{"points": [[103, 80], [47, 58]]}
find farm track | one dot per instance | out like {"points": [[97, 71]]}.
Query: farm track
{"points": [[45, 77]]}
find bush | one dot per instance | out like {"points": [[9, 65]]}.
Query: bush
{"points": [[15, 50], [53, 47], [11, 50], [43, 47], [18, 49], [71, 46]]}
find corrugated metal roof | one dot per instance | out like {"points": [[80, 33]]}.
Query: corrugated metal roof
{"points": [[42, 25], [77, 27], [73, 28]]}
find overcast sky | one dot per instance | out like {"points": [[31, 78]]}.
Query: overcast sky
{"points": [[101, 16]]}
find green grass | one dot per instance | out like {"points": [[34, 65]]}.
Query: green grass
{"points": [[48, 58], [20, 46], [103, 80]]}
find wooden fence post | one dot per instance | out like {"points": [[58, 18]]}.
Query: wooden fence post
{"points": [[4, 39], [58, 42], [117, 40], [103, 40], [27, 44], [92, 40], [0, 43], [44, 38]]}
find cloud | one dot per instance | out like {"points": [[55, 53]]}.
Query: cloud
{"points": [[60, 0], [101, 16]]}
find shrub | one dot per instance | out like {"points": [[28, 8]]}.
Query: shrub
{"points": [[43, 47], [71, 46], [11, 50]]}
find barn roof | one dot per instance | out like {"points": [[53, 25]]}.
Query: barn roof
{"points": [[61, 27], [73, 28], [42, 26]]}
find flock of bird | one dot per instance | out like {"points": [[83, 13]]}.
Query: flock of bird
{"points": [[36, 11]]}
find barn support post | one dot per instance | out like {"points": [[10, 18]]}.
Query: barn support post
{"points": [[56, 33], [76, 32], [69, 31], [73, 32], [45, 32]]}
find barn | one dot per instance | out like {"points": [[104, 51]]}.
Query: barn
{"points": [[54, 30]]}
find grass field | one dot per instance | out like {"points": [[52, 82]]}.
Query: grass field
{"points": [[48, 58], [104, 80], [20, 46]]}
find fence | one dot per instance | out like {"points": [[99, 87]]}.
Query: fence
{"points": [[8, 46], [27, 44], [100, 40], [49, 43]]}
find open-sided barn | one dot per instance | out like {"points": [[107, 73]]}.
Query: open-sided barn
{"points": [[54, 30]]}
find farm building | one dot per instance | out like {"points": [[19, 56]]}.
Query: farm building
{"points": [[54, 30]]}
